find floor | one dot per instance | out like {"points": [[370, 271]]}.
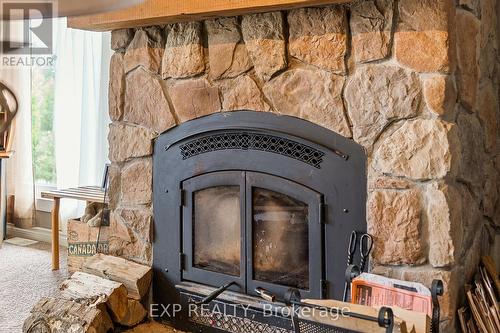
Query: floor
{"points": [[25, 277], [153, 327]]}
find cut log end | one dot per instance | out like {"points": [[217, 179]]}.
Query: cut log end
{"points": [[95, 291], [62, 315], [135, 314]]}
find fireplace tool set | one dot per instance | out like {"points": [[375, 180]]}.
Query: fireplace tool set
{"points": [[365, 245]]}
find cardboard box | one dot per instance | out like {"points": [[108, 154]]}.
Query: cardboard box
{"points": [[82, 243]]}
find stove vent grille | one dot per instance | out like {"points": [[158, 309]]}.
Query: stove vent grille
{"points": [[253, 141]]}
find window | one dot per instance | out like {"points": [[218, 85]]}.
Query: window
{"points": [[42, 122], [64, 117], [69, 110]]}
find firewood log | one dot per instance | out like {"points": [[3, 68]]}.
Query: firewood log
{"points": [[135, 277], [95, 291], [56, 315]]}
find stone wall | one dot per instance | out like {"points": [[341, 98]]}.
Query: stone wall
{"points": [[413, 81]]}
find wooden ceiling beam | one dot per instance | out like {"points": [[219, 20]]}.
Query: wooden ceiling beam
{"points": [[159, 12]]}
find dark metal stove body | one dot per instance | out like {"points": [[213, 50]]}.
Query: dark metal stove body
{"points": [[317, 175]]}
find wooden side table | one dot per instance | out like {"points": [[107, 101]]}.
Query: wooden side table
{"points": [[85, 193]]}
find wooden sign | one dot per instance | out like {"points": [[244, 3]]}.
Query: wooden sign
{"points": [[82, 243]]}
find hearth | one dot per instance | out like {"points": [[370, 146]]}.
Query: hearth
{"points": [[265, 201]]}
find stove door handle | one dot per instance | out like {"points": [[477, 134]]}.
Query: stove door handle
{"points": [[214, 294], [266, 295]]}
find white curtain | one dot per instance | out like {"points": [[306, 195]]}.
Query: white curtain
{"points": [[19, 167], [80, 110]]}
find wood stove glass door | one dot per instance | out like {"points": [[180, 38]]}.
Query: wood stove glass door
{"points": [[213, 224], [284, 236], [252, 228]]}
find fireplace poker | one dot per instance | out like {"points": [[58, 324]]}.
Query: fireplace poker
{"points": [[384, 319], [214, 294], [353, 241]]}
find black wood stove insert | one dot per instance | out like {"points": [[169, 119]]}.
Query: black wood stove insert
{"points": [[260, 201]]}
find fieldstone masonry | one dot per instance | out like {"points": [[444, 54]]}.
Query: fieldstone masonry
{"points": [[371, 25], [227, 54], [326, 29], [415, 82]]}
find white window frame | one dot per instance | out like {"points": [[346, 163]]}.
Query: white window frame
{"points": [[42, 204]]}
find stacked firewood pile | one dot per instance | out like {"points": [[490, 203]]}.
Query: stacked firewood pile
{"points": [[483, 311], [108, 293]]}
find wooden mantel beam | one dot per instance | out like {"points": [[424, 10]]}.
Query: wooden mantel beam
{"points": [[159, 12]]}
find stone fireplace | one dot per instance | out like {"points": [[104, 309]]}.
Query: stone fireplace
{"points": [[412, 82]]}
